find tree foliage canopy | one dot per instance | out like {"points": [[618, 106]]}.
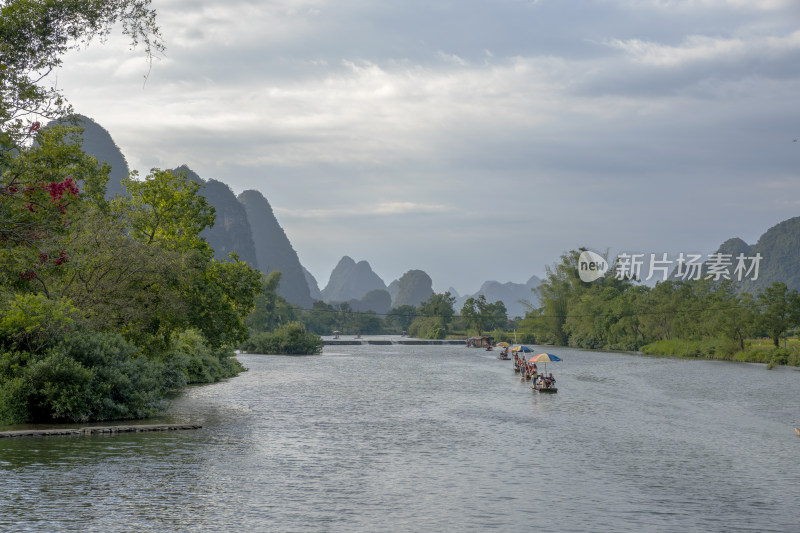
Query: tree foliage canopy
{"points": [[104, 307], [35, 35], [482, 315], [619, 314]]}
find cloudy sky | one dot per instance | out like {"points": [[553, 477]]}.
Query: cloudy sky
{"points": [[472, 139]]}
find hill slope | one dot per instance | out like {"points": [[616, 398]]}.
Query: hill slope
{"points": [[231, 230], [97, 142], [351, 281], [273, 249], [780, 261], [413, 288]]}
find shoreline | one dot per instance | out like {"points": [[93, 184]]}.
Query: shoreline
{"points": [[97, 430]]}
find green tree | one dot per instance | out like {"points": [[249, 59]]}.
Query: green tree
{"points": [[780, 310], [166, 208], [425, 327], [322, 319], [104, 307], [344, 316], [122, 284], [33, 322], [561, 283], [439, 306], [219, 297], [271, 309], [624, 321], [400, 318], [367, 323], [34, 36], [434, 316], [739, 321], [166, 211], [482, 315]]}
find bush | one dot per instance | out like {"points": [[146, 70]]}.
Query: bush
{"points": [[32, 322], [427, 328], [710, 348], [727, 349], [89, 376], [191, 360], [14, 394], [289, 339], [782, 356], [126, 383]]}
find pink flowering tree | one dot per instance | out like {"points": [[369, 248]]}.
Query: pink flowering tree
{"points": [[42, 174], [40, 194]]}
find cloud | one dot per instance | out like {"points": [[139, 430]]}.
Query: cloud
{"points": [[359, 211], [363, 113], [452, 58], [193, 24], [693, 5], [411, 130], [700, 48]]}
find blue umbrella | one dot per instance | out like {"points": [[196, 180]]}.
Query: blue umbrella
{"points": [[521, 349]]}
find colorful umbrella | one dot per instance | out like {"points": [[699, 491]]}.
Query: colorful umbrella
{"points": [[545, 358], [503, 344], [521, 349]]}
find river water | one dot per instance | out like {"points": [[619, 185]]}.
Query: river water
{"points": [[434, 438]]}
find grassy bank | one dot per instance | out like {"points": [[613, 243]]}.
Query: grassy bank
{"points": [[755, 351]]}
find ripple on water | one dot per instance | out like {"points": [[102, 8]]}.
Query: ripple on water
{"points": [[424, 438]]}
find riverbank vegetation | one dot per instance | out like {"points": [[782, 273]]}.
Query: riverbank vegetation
{"points": [[692, 318], [108, 305], [287, 339], [105, 305]]}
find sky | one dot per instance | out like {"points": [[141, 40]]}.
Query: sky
{"points": [[475, 140]]}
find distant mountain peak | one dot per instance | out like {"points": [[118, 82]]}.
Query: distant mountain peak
{"points": [[511, 294], [351, 281], [413, 288], [97, 142], [779, 258], [191, 174]]}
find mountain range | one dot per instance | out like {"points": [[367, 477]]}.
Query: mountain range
{"points": [[517, 297], [776, 256], [246, 225]]}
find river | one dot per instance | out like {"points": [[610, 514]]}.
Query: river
{"points": [[434, 438]]}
